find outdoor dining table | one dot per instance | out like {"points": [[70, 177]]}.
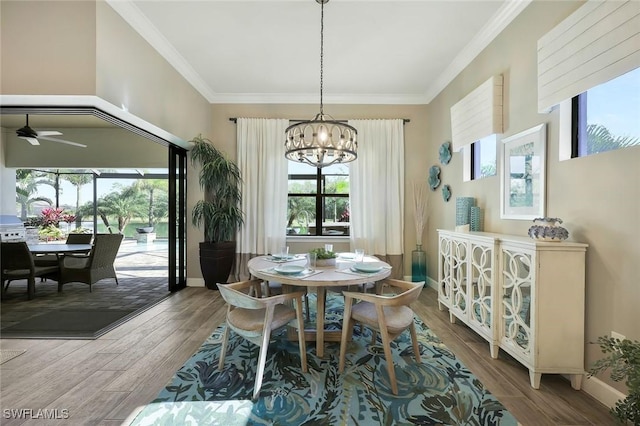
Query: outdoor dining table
{"points": [[59, 248], [320, 278]]}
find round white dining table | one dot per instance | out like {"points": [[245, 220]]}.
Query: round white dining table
{"points": [[321, 277]]}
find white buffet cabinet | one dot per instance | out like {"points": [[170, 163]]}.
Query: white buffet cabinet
{"points": [[521, 295]]}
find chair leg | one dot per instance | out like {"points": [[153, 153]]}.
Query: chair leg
{"points": [[262, 359], [414, 339], [347, 326], [223, 349], [31, 288], [386, 345], [301, 341]]}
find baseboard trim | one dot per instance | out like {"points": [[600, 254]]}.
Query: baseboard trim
{"points": [[195, 282], [432, 283], [601, 391]]}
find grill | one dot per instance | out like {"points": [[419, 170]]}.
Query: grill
{"points": [[11, 228]]}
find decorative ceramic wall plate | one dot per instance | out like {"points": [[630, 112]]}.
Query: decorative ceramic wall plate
{"points": [[445, 152], [446, 192], [434, 177]]}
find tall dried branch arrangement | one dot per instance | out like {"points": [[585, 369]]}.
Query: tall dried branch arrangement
{"points": [[420, 199]]}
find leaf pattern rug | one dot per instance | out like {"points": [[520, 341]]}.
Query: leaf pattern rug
{"points": [[438, 391]]}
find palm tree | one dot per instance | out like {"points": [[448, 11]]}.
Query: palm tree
{"points": [[152, 187], [27, 186], [124, 205], [600, 139], [78, 180]]}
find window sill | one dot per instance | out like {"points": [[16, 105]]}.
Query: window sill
{"points": [[317, 238]]}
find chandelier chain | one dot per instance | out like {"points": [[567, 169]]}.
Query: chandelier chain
{"points": [[321, 55]]}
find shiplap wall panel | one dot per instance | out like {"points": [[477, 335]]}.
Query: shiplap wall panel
{"points": [[598, 42], [477, 115]]}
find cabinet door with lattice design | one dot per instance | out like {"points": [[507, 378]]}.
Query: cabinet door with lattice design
{"points": [[518, 279], [483, 261]]}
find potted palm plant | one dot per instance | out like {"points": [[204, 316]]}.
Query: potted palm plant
{"points": [[219, 212]]}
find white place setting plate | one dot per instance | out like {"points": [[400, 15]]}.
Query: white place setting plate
{"points": [[369, 267], [289, 269]]}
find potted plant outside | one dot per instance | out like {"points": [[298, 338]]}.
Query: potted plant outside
{"points": [[219, 212]]}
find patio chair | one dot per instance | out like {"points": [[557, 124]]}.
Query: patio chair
{"points": [[390, 315], [17, 263], [96, 266], [254, 318]]}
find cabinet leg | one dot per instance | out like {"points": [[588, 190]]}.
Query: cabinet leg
{"points": [[452, 318], [576, 381], [441, 307], [534, 378], [495, 349]]}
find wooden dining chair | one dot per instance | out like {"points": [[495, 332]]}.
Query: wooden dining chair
{"points": [[17, 263], [254, 318], [97, 265], [390, 315]]}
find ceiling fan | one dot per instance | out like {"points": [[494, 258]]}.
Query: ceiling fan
{"points": [[32, 136]]}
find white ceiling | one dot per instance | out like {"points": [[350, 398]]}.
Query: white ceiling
{"points": [[263, 51]]}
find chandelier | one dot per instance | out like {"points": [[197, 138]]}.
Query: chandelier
{"points": [[321, 142]]}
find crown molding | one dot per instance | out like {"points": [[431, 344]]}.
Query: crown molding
{"points": [[499, 21], [139, 22], [312, 98]]}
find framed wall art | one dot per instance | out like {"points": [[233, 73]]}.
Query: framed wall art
{"points": [[522, 181]]}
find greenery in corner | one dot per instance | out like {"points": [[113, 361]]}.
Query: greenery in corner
{"points": [[220, 180], [323, 254], [623, 358]]}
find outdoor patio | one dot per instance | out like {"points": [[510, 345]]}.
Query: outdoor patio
{"points": [[142, 274]]}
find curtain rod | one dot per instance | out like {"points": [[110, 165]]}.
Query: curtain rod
{"points": [[235, 120]]}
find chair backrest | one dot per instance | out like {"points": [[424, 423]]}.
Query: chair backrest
{"points": [[233, 296], [104, 251], [79, 238], [16, 255], [410, 291]]}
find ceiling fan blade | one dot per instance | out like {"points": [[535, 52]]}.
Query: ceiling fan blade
{"points": [[32, 141], [47, 138], [48, 133]]}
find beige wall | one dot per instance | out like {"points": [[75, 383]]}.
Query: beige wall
{"points": [[597, 196], [224, 137], [130, 73], [48, 48]]}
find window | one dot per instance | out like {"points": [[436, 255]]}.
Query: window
{"points": [[318, 201], [483, 157], [606, 117]]}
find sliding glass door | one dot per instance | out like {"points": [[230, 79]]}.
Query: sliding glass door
{"points": [[177, 217]]}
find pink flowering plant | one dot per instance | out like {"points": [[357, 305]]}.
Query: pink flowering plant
{"points": [[49, 221], [53, 216]]}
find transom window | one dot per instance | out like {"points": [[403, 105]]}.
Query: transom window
{"points": [[318, 201], [607, 117]]}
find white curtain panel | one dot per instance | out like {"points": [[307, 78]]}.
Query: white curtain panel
{"points": [[376, 192], [264, 169]]}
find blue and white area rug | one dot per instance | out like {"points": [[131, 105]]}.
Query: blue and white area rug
{"points": [[438, 391]]}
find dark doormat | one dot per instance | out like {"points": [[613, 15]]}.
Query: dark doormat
{"points": [[69, 324]]}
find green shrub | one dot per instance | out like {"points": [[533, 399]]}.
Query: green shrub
{"points": [[623, 358]]}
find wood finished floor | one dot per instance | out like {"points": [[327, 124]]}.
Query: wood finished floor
{"points": [[104, 381]]}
